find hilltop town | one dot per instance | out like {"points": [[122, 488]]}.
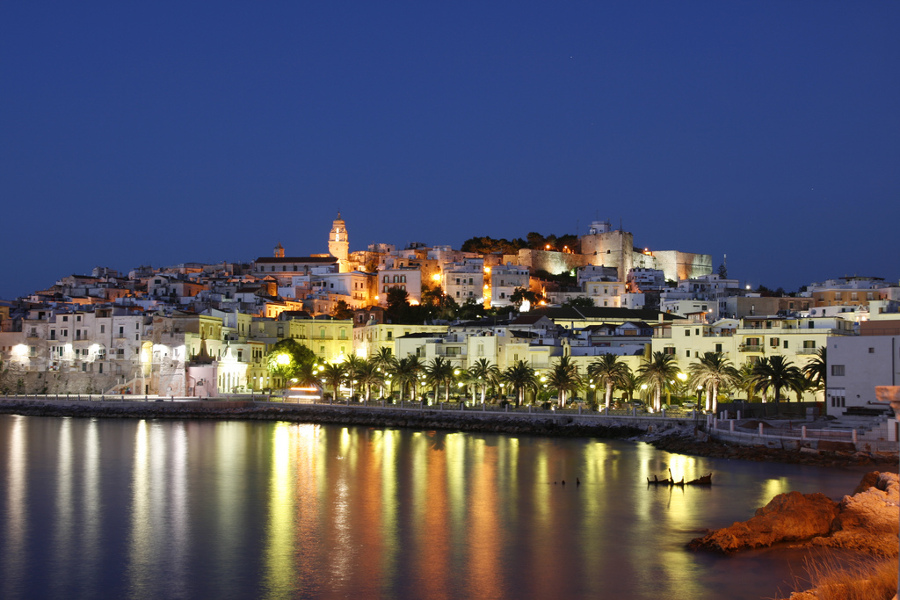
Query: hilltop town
{"points": [[202, 330]]}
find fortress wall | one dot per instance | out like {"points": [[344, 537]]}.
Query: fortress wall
{"points": [[552, 262]]}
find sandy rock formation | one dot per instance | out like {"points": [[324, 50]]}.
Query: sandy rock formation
{"points": [[792, 517], [867, 521]]}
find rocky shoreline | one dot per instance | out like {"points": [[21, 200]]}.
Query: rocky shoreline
{"points": [[697, 443], [864, 523]]}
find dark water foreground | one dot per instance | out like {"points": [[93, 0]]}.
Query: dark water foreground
{"points": [[139, 508]]}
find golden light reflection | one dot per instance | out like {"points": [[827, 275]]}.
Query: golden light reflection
{"points": [[13, 549], [141, 533], [91, 549], [771, 488], [62, 526], [177, 506], [387, 450], [486, 536], [279, 534]]}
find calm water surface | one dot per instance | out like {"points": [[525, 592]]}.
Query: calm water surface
{"points": [[200, 509]]}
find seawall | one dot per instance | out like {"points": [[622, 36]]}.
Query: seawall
{"points": [[543, 423]]}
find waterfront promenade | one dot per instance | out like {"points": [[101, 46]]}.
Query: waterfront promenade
{"points": [[792, 435]]}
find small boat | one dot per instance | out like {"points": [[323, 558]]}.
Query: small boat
{"points": [[705, 480]]}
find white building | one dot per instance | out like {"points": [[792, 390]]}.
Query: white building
{"points": [[505, 279]]}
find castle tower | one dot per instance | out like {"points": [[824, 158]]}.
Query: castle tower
{"points": [[338, 243], [279, 251]]}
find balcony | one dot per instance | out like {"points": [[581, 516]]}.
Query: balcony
{"points": [[751, 348]]}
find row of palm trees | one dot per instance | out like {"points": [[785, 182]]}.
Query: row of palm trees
{"points": [[657, 375]]}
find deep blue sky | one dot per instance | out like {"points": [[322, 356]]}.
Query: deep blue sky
{"points": [[159, 133]]}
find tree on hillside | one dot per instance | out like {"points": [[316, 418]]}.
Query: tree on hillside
{"points": [[579, 302], [342, 310]]}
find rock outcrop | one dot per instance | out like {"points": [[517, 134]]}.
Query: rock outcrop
{"points": [[867, 521], [792, 517]]}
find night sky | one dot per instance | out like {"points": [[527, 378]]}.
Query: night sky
{"points": [[160, 133]]}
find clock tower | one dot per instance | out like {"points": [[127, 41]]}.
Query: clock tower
{"points": [[338, 244]]}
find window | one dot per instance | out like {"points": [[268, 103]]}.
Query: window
{"points": [[103, 329], [52, 334], [669, 350], [718, 347], [774, 342], [687, 353], [65, 319], [687, 333], [390, 335], [809, 344], [785, 344], [871, 350], [837, 370]]}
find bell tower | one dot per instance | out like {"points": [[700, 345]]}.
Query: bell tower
{"points": [[338, 244]]}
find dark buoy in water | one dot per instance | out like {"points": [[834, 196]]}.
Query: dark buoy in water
{"points": [[564, 482], [577, 481]]}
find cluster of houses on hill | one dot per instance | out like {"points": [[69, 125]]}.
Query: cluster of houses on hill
{"points": [[207, 329]]}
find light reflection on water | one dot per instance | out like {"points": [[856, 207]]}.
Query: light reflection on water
{"points": [[149, 509]]}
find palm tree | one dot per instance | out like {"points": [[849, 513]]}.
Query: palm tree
{"points": [[353, 364], [440, 372], [385, 360], [629, 384], [564, 378], [712, 371], [368, 375], [307, 374], [745, 380], [521, 378], [334, 374], [658, 373], [816, 370], [483, 374], [407, 373], [610, 373], [775, 373]]}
